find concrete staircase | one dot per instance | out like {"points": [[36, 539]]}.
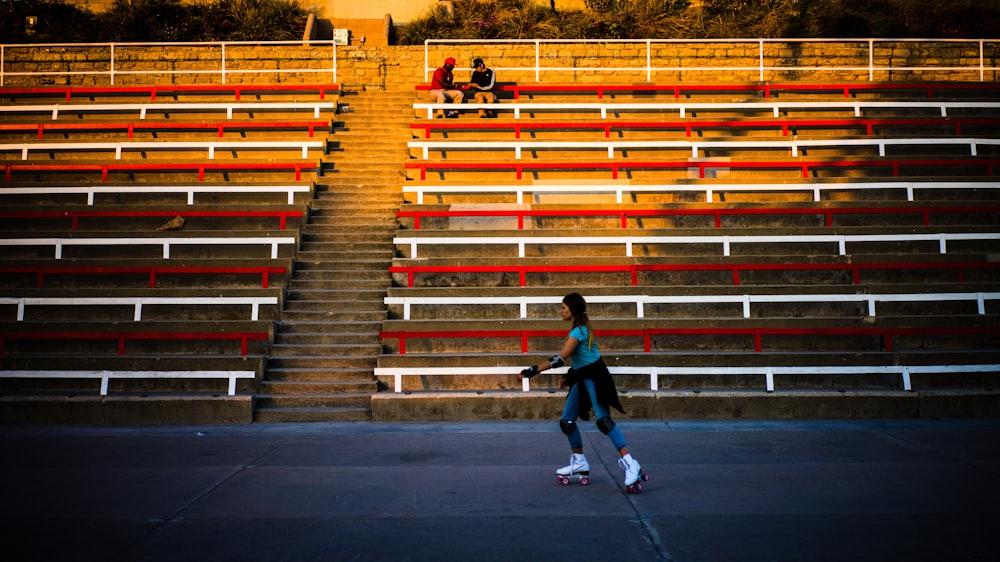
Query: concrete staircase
{"points": [[326, 344]]}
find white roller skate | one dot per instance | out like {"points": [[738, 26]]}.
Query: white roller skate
{"points": [[634, 476], [578, 466]]}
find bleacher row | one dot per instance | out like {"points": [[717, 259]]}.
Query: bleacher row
{"points": [[836, 236], [144, 256]]}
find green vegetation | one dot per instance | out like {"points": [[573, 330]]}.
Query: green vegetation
{"points": [[153, 20], [283, 20], [678, 19]]}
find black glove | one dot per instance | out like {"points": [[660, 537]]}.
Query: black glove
{"points": [[529, 372]]}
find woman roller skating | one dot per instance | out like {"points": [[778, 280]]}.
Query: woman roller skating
{"points": [[590, 386]]}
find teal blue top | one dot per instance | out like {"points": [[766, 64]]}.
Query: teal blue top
{"points": [[582, 355]]}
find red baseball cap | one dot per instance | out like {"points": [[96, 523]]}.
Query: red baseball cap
{"points": [[449, 60]]}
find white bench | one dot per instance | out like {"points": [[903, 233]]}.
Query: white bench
{"points": [[106, 376], [942, 238], [682, 108], [165, 242], [190, 190], [137, 302], [397, 373], [303, 146], [165, 108], [618, 189], [793, 145], [746, 300]]}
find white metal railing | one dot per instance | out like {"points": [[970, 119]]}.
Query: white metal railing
{"points": [[710, 189], [188, 190], [219, 54], [165, 243], [651, 63], [746, 300], [768, 372], [726, 241], [683, 108], [137, 303], [696, 148], [106, 376]]}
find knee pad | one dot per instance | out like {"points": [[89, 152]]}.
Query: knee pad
{"points": [[567, 427], [605, 425]]}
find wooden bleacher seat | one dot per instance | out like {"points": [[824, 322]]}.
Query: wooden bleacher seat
{"points": [[132, 305], [640, 216], [643, 271], [39, 192], [700, 148], [169, 168], [134, 338], [163, 148], [766, 90], [227, 217], [169, 90], [158, 128], [682, 109], [150, 273], [867, 125], [734, 304], [712, 189], [624, 244], [141, 110], [803, 168], [138, 245]]}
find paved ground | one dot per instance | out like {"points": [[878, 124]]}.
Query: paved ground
{"points": [[720, 491]]}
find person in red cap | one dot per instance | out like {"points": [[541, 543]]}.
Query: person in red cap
{"points": [[443, 88]]}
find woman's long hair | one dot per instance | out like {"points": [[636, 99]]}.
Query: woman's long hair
{"points": [[578, 308]]}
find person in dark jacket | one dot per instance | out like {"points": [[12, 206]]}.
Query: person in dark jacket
{"points": [[482, 83], [590, 386]]}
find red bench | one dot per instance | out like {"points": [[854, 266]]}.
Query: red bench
{"points": [[886, 334], [122, 337], [39, 272], [786, 125], [625, 214], [282, 216], [615, 166], [156, 126], [736, 268], [927, 88], [199, 167], [68, 92]]}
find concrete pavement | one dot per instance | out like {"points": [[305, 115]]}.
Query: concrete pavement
{"points": [[719, 491]]}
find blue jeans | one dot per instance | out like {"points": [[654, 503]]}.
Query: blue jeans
{"points": [[571, 413]]}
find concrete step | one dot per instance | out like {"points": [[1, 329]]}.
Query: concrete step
{"points": [[324, 331], [317, 387], [336, 306], [332, 316], [322, 400], [321, 362], [345, 253], [327, 338], [320, 375], [327, 327], [345, 231], [321, 280], [324, 414]]}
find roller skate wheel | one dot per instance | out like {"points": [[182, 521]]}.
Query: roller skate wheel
{"points": [[584, 481], [563, 480], [644, 477]]}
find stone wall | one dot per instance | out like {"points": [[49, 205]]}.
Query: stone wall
{"points": [[400, 67]]}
